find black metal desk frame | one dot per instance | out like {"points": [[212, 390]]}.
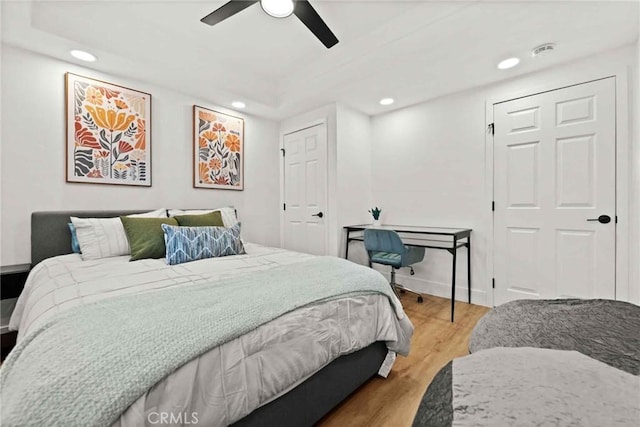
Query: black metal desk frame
{"points": [[456, 238]]}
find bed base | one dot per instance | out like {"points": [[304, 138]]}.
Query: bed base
{"points": [[306, 404]]}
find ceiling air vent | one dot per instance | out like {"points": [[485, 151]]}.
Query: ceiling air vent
{"points": [[543, 49]]}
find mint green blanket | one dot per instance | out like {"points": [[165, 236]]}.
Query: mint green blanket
{"points": [[87, 365]]}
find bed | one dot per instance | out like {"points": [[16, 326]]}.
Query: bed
{"points": [[287, 371], [543, 362]]}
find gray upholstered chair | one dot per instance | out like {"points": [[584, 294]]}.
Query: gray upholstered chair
{"points": [[385, 247]]}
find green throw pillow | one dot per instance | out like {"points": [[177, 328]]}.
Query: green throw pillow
{"points": [[146, 238], [213, 219]]}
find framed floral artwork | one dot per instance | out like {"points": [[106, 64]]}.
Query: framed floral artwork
{"points": [[108, 133], [218, 150]]}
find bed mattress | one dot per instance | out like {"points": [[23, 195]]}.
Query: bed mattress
{"points": [[230, 381]]}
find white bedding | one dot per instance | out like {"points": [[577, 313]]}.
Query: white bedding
{"points": [[66, 281], [230, 381]]}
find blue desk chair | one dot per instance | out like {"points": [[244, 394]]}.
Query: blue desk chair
{"points": [[385, 247]]}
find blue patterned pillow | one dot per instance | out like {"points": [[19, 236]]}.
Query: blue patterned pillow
{"points": [[75, 245], [186, 244]]}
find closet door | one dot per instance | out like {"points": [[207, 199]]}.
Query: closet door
{"points": [[305, 189], [554, 191]]}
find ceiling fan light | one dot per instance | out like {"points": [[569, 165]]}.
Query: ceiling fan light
{"points": [[277, 8]]}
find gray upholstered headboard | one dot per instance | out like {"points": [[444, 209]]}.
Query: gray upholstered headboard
{"points": [[50, 235]]}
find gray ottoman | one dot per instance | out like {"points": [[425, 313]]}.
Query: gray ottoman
{"points": [[605, 330], [529, 387]]}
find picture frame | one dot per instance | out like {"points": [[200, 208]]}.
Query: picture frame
{"points": [[108, 133], [218, 150]]}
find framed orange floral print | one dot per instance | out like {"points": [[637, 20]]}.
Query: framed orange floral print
{"points": [[218, 150], [108, 133]]}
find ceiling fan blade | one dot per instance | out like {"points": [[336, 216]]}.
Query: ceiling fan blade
{"points": [[227, 10], [309, 17]]}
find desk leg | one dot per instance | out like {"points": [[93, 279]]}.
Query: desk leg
{"points": [[453, 278], [469, 266], [346, 247]]}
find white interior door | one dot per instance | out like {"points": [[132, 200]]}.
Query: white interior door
{"points": [[305, 189], [554, 172]]}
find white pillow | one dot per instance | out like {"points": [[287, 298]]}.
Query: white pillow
{"points": [[228, 214], [105, 237], [158, 213]]}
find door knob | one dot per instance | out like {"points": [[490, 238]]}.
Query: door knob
{"points": [[319, 215], [602, 219]]}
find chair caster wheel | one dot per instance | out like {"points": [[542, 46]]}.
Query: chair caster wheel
{"points": [[420, 299], [412, 272]]}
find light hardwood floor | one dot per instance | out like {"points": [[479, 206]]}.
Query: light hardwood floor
{"points": [[394, 401]]}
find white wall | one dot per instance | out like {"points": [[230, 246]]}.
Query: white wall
{"points": [[634, 205], [354, 179], [33, 157], [428, 166]]}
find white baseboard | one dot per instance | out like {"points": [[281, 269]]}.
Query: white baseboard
{"points": [[442, 289]]}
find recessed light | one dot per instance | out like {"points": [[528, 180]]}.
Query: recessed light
{"points": [[277, 8], [82, 55], [238, 104], [508, 63], [386, 101]]}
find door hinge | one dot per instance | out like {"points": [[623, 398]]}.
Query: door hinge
{"points": [[493, 206], [493, 283], [283, 151], [491, 128], [616, 219], [284, 206]]}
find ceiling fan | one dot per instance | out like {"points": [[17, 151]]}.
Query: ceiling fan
{"points": [[279, 9]]}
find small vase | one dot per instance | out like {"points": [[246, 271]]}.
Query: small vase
{"points": [[376, 223]]}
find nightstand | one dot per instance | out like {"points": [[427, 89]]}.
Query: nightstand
{"points": [[12, 279]]}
